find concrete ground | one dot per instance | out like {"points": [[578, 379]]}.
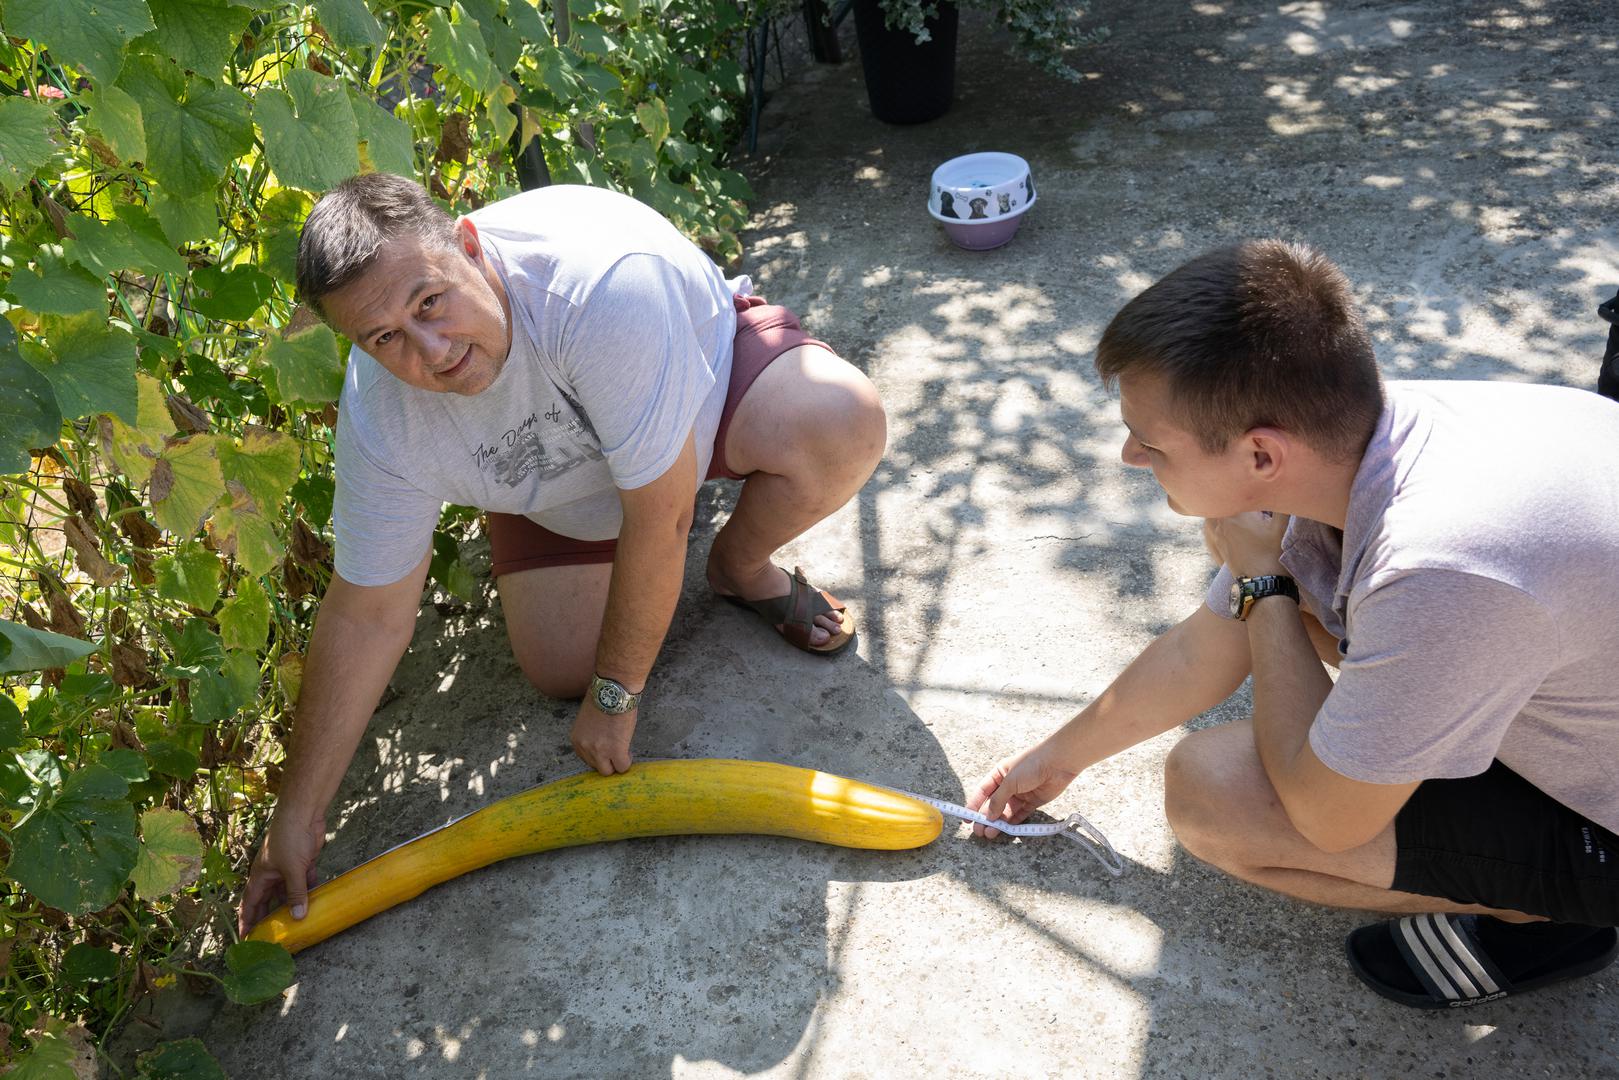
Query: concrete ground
{"points": [[1457, 158]]}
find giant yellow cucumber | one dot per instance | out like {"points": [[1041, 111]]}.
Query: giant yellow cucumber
{"points": [[657, 798]]}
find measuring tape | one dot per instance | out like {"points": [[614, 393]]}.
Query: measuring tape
{"points": [[1074, 827]]}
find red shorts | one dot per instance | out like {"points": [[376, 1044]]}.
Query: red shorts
{"points": [[763, 332]]}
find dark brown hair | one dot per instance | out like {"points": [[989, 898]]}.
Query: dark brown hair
{"points": [[1262, 334], [352, 222]]}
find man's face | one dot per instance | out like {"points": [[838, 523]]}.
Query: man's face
{"points": [[435, 317], [1196, 483]]}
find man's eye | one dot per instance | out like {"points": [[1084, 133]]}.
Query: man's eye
{"points": [[383, 339], [429, 301]]}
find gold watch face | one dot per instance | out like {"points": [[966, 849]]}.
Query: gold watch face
{"points": [[1236, 599]]}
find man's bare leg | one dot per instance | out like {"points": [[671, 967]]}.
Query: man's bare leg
{"points": [[807, 435], [1225, 812], [554, 618]]}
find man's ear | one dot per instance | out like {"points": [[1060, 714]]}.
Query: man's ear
{"points": [[1269, 450], [468, 240]]}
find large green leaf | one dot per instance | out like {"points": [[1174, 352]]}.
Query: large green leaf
{"points": [[245, 533], [22, 648], [50, 1058], [184, 1059], [25, 140], [385, 140], [11, 716], [281, 219], [187, 218], [171, 853], [57, 287], [90, 364], [86, 963], [116, 117], [134, 448], [222, 694], [197, 650], [350, 23], [455, 43], [186, 483], [133, 241], [530, 23], [199, 34], [310, 133], [190, 576], [29, 416], [256, 971], [266, 463], [307, 365], [233, 295], [75, 851], [194, 128], [89, 34], [244, 622]]}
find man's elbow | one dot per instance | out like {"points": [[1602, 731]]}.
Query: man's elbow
{"points": [[1327, 829]]}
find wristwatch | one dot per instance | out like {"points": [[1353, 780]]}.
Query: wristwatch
{"points": [[611, 697], [1244, 591]]}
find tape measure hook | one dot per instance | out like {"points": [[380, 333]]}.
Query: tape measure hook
{"points": [[1089, 837]]}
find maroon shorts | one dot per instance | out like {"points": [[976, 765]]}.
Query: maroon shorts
{"points": [[763, 332]]}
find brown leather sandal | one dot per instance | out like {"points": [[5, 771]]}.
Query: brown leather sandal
{"points": [[795, 614]]}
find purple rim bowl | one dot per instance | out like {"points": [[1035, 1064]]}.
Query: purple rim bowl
{"points": [[982, 235]]}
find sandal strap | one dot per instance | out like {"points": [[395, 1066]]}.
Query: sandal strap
{"points": [[1444, 955], [804, 602]]}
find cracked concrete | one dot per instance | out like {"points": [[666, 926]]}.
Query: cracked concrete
{"points": [[1458, 160]]}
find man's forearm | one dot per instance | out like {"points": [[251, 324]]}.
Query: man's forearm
{"points": [[648, 570], [1290, 686], [1193, 667]]}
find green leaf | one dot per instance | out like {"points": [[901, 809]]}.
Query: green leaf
{"points": [[200, 35], [314, 493], [29, 416], [75, 852], [57, 288], [257, 971], [26, 128], [50, 1058], [171, 759], [350, 23], [22, 648], [194, 129], [246, 534], [591, 40], [529, 22], [188, 218], [131, 242], [244, 623], [281, 219], [89, 34], [449, 569], [126, 763], [653, 116], [186, 483], [309, 129], [190, 576], [86, 963], [266, 463], [90, 365], [233, 295], [307, 366], [386, 144], [184, 1059], [116, 117], [456, 44], [10, 724], [134, 449], [197, 650], [170, 855], [221, 695]]}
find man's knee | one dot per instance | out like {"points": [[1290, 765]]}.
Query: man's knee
{"points": [[554, 682], [1210, 786], [847, 429]]}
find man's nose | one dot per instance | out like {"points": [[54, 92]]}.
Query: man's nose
{"points": [[1133, 453], [430, 345]]}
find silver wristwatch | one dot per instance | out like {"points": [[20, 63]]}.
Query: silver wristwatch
{"points": [[611, 697]]}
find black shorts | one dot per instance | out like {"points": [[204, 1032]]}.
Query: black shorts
{"points": [[1498, 840]]}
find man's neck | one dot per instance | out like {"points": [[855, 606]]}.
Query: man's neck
{"points": [[1322, 493]]}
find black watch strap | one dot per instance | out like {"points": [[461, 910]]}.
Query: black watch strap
{"points": [[1254, 589]]}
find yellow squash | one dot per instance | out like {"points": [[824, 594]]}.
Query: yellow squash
{"points": [[657, 798]]}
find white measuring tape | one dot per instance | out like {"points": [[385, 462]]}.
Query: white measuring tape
{"points": [[1074, 827]]}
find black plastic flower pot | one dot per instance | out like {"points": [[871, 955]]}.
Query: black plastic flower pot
{"points": [[907, 82]]}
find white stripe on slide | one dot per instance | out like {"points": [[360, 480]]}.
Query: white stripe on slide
{"points": [[1419, 949], [1429, 925], [1465, 954]]}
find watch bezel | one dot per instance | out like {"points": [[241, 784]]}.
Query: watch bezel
{"points": [[611, 696]]}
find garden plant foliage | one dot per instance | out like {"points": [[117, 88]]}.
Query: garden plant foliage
{"points": [[166, 416]]}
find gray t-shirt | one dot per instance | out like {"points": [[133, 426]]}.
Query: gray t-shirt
{"points": [[1475, 593], [621, 346]]}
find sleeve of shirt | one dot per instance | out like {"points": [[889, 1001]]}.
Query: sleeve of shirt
{"points": [[635, 361], [1439, 662], [1218, 598], [383, 524]]}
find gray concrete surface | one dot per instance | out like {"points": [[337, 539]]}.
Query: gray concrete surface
{"points": [[1458, 159]]}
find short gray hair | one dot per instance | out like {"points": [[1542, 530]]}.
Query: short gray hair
{"points": [[352, 222]]}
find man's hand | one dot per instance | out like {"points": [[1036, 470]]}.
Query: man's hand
{"points": [[1018, 785], [284, 868], [602, 740], [1250, 544]]}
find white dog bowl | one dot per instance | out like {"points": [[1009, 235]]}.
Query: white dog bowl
{"points": [[980, 199]]}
